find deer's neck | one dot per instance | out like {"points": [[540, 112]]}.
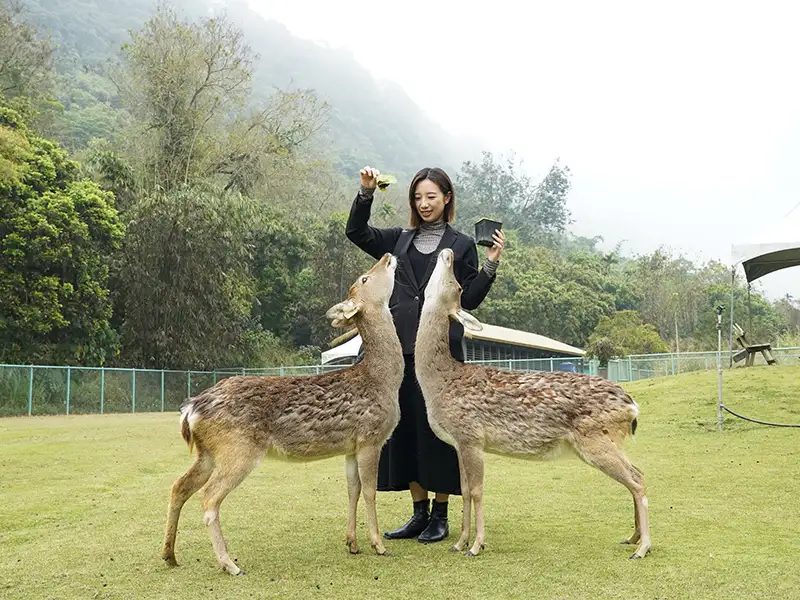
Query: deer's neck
{"points": [[383, 354], [432, 356]]}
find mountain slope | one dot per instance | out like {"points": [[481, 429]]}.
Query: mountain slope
{"points": [[370, 122]]}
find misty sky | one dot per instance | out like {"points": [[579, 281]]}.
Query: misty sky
{"points": [[681, 123]]}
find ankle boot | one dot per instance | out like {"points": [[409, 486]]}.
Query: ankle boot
{"points": [[437, 528], [416, 524]]}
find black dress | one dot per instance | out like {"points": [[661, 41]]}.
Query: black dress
{"points": [[414, 453]]}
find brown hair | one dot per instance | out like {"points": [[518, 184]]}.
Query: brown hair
{"points": [[442, 180]]}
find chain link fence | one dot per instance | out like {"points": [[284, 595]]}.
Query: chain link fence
{"points": [[56, 390]]}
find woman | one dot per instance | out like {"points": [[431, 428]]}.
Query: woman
{"points": [[414, 458]]}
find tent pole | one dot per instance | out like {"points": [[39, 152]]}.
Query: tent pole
{"points": [[733, 282]]}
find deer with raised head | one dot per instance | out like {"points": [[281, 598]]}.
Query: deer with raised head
{"points": [[481, 410], [350, 412]]}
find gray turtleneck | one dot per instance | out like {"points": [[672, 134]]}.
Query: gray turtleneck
{"points": [[428, 235]]}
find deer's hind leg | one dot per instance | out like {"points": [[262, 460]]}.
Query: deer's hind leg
{"points": [[353, 492], [605, 455], [183, 489], [231, 467]]}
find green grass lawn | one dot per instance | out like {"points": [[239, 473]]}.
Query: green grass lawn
{"points": [[83, 501]]}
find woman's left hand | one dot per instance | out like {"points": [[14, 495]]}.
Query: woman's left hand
{"points": [[497, 248]]}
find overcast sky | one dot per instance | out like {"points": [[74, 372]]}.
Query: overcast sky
{"points": [[680, 121]]}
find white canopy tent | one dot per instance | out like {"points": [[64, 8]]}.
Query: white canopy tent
{"points": [[772, 250], [776, 248]]}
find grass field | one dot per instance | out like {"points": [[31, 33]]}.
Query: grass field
{"points": [[84, 499]]}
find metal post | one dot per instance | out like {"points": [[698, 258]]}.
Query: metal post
{"points": [[733, 281], [69, 373], [551, 365], [30, 391], [720, 308], [188, 384], [102, 389], [162, 391], [133, 390]]}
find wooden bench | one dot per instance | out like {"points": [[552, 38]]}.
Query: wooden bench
{"points": [[749, 350]]}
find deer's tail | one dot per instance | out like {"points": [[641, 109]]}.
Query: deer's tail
{"points": [[634, 421], [187, 412]]}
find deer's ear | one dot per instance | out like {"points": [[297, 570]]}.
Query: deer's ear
{"points": [[342, 314], [467, 320]]}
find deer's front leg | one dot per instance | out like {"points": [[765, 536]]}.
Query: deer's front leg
{"points": [[466, 518], [353, 492], [368, 458], [473, 465]]}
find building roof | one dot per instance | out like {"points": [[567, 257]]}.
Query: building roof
{"points": [[489, 333], [517, 337]]}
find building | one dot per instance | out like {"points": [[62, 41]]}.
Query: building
{"points": [[492, 344]]}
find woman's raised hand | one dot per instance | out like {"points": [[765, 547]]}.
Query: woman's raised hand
{"points": [[499, 245], [369, 177]]}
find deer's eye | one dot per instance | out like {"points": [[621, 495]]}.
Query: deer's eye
{"points": [[364, 279]]}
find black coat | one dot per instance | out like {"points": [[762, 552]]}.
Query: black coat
{"points": [[414, 453], [409, 294]]}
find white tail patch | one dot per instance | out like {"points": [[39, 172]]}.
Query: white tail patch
{"points": [[188, 414]]}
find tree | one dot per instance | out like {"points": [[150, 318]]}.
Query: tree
{"points": [[542, 291], [58, 233], [537, 211], [26, 60], [187, 86], [623, 334], [185, 278]]}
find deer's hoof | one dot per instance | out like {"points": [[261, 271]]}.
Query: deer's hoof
{"points": [[241, 572], [455, 549], [170, 560]]}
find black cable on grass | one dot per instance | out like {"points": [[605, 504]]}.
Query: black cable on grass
{"points": [[757, 421]]}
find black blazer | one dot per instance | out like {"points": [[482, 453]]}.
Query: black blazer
{"points": [[409, 294]]}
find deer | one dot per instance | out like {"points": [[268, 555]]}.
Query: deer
{"points": [[479, 409], [351, 412]]}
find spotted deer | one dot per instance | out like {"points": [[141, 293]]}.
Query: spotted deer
{"points": [[481, 410], [350, 412]]}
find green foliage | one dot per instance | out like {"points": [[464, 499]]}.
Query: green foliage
{"points": [[57, 234], [538, 212], [622, 334], [235, 190], [184, 278], [25, 59], [542, 291]]}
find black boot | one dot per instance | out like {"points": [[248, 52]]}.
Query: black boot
{"points": [[437, 529], [416, 524]]}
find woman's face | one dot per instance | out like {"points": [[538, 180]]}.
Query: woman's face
{"points": [[430, 201]]}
